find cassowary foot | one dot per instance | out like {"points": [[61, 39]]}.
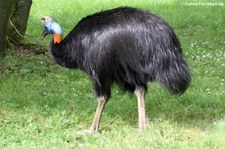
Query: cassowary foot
{"points": [[86, 132], [96, 121]]}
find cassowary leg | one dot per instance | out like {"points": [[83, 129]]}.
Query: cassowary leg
{"points": [[96, 121], [140, 93]]}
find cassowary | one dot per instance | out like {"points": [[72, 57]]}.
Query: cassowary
{"points": [[127, 46]]}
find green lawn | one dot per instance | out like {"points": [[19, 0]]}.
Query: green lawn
{"points": [[43, 105]]}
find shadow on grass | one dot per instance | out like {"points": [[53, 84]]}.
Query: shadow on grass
{"points": [[74, 98]]}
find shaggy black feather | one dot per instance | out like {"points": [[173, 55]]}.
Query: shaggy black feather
{"points": [[127, 46]]}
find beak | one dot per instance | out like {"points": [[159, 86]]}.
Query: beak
{"points": [[44, 33]]}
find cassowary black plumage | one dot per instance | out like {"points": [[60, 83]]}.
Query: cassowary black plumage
{"points": [[124, 45]]}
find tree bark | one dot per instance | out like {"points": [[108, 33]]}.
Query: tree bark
{"points": [[5, 12], [18, 20]]}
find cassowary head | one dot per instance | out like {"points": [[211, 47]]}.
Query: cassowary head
{"points": [[52, 27]]}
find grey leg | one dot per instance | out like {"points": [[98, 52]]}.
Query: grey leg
{"points": [[140, 93], [96, 121]]}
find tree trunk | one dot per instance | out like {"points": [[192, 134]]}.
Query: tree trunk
{"points": [[18, 20], [5, 12]]}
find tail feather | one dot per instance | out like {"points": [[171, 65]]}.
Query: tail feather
{"points": [[174, 75]]}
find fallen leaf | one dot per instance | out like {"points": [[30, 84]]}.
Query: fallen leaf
{"points": [[3, 111]]}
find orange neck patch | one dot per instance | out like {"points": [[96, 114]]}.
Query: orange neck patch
{"points": [[57, 38]]}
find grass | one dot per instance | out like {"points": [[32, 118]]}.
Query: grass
{"points": [[43, 105]]}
